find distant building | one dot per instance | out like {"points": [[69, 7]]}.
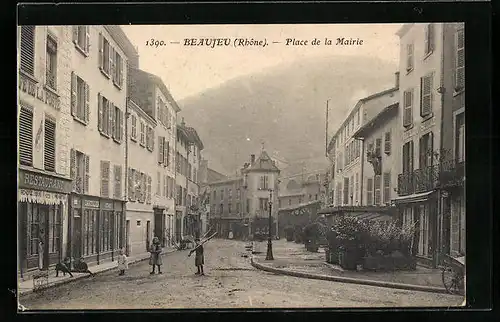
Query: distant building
{"points": [[294, 191]]}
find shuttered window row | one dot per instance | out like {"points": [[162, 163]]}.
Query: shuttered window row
{"points": [[460, 60], [110, 120], [105, 175], [49, 152], [110, 61], [426, 95], [26, 136], [118, 182], [28, 49]]}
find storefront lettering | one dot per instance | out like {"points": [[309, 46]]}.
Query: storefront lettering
{"points": [[108, 205], [30, 86], [38, 181], [91, 203]]}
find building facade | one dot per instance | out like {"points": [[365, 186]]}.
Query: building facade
{"points": [[422, 79], [260, 181], [150, 94], [295, 191], [44, 55], [227, 204], [98, 154]]}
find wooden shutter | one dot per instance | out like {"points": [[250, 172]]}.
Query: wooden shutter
{"points": [[120, 125], [131, 190], [426, 95], [152, 139], [112, 120], [73, 93], [104, 180], [75, 34], [28, 49], [426, 39], [50, 145], [406, 157], [133, 135], [86, 178], [459, 60], [387, 143], [87, 39], [369, 191], [25, 136], [411, 154], [100, 109], [148, 199], [118, 181], [168, 153], [387, 187], [378, 146], [144, 187], [160, 149], [409, 57], [422, 153], [158, 183], [165, 153], [377, 189], [87, 103], [101, 51], [430, 149], [72, 166], [408, 108], [111, 52]]}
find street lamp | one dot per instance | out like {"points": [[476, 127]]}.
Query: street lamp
{"points": [[269, 255]]}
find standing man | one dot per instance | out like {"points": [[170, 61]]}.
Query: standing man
{"points": [[155, 258], [199, 257]]}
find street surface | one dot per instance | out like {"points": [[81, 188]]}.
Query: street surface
{"points": [[230, 282]]}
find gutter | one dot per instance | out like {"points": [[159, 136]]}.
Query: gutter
{"points": [[362, 171], [127, 116], [175, 174]]}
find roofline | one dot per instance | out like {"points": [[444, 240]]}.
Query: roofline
{"points": [[122, 40], [361, 101], [368, 127], [196, 137], [229, 180], [143, 113], [163, 88], [404, 29]]}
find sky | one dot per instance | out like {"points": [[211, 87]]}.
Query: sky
{"points": [[189, 70]]}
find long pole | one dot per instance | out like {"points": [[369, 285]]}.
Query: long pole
{"points": [[269, 255]]}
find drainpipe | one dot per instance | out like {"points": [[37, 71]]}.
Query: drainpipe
{"points": [[439, 216], [361, 179], [175, 174], [124, 213]]}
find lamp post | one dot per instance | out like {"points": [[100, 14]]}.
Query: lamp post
{"points": [[269, 255]]}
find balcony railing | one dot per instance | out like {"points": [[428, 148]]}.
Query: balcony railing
{"points": [[446, 174]]}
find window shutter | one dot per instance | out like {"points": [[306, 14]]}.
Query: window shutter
{"points": [[409, 57], [87, 39], [87, 102], [111, 57], [28, 49], [387, 187], [459, 60], [72, 167], [49, 145], [165, 153], [86, 179], [369, 191], [411, 154], [387, 143], [378, 146], [426, 39], [100, 108], [144, 187], [112, 121], [103, 185], [430, 154], [426, 95], [118, 181], [130, 184], [120, 126], [73, 93], [26, 136], [148, 199], [120, 71], [75, 34], [160, 149], [101, 51], [152, 139]]}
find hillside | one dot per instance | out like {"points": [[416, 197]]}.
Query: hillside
{"points": [[285, 107]]}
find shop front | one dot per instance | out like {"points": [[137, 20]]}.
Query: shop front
{"points": [[42, 213], [96, 228]]}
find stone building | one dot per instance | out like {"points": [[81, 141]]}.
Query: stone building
{"points": [[44, 56]]}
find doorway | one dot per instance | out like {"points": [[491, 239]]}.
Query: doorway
{"points": [[127, 238], [43, 212], [159, 227], [77, 240], [148, 235]]}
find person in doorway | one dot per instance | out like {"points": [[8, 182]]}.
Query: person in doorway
{"points": [[122, 262], [199, 257], [155, 258]]}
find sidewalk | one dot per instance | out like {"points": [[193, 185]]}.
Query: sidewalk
{"points": [[293, 259], [26, 287]]}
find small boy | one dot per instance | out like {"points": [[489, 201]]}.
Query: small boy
{"points": [[199, 258], [122, 262]]}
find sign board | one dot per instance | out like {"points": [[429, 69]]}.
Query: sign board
{"points": [[91, 203], [40, 181]]}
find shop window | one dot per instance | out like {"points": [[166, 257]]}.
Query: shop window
{"points": [[33, 229], [90, 232], [54, 229]]}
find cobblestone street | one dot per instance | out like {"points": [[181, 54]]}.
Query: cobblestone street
{"points": [[230, 282]]}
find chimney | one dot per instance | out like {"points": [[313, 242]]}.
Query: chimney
{"points": [[397, 79], [182, 122], [252, 158]]}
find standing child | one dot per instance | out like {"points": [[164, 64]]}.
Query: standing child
{"points": [[198, 258], [122, 262], [155, 259]]}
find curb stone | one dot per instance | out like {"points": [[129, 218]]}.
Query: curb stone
{"points": [[75, 278], [402, 286]]}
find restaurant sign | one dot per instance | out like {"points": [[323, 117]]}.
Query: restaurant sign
{"points": [[39, 181]]}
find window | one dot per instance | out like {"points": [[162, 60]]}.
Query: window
{"points": [[80, 171], [230, 193], [54, 229], [118, 70], [28, 49], [387, 142], [161, 142], [51, 63], [460, 138], [158, 183], [429, 39], [215, 195], [387, 187], [33, 227], [351, 189], [248, 205], [49, 148], [90, 232], [378, 146], [377, 187], [148, 194], [426, 95], [229, 208], [165, 186], [143, 134], [289, 201], [426, 151], [150, 139], [81, 38], [166, 152], [105, 117], [369, 191], [238, 209], [138, 223], [118, 181], [221, 209], [117, 124], [346, 191], [222, 194], [339, 194], [408, 108], [105, 56], [264, 182], [79, 99], [408, 157], [105, 165], [459, 60], [133, 134], [409, 57], [105, 231], [131, 184], [26, 136], [263, 204]]}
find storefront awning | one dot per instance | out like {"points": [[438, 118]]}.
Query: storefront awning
{"points": [[416, 197], [41, 197]]}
